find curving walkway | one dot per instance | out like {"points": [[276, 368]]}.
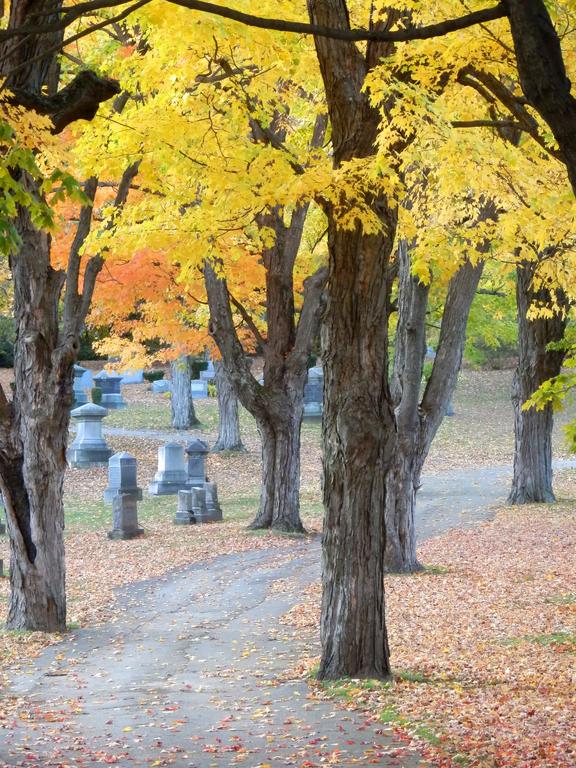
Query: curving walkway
{"points": [[195, 671]]}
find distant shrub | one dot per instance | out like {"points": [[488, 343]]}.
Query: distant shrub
{"points": [[155, 375], [96, 394], [197, 364], [212, 390], [87, 339], [7, 338]]}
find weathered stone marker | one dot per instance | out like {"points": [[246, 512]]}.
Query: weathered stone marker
{"points": [[124, 494], [80, 396], [184, 513], [160, 386], [199, 509], [133, 377], [212, 505], [122, 476], [110, 384], [89, 448], [314, 394], [196, 452], [125, 517], [199, 388], [209, 373], [171, 476]]}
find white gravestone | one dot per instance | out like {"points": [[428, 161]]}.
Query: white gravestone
{"points": [[171, 476], [89, 448]]}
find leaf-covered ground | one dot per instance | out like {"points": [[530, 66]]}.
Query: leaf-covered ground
{"points": [[483, 644]]}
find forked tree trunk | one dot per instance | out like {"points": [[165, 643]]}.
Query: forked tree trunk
{"points": [[418, 420], [277, 405], [229, 438], [183, 413], [532, 478]]}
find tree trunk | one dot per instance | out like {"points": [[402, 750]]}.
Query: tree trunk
{"points": [[229, 438], [404, 474], [359, 436], [183, 413], [532, 479], [277, 405], [35, 431], [359, 441], [34, 425], [543, 76], [417, 421], [280, 494]]}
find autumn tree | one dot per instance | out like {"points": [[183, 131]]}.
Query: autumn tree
{"points": [[34, 423], [359, 420], [252, 142]]}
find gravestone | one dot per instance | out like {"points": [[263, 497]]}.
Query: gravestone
{"points": [[80, 396], [210, 372], [184, 513], [171, 476], [199, 388], [198, 504], [89, 448], [110, 384], [199, 509], [125, 517], [86, 380], [314, 393], [160, 386], [212, 505], [196, 452], [122, 477], [132, 377]]}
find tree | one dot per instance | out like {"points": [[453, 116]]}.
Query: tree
{"points": [[532, 479], [253, 142], [183, 413], [229, 438], [359, 423], [34, 424]]}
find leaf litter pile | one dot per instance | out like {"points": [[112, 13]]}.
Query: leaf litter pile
{"points": [[483, 644]]}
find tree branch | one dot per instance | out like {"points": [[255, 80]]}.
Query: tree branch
{"points": [[439, 29], [79, 100], [486, 124], [260, 340], [310, 317]]}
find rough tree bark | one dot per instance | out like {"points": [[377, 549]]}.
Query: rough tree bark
{"points": [[182, 404], [543, 74], [359, 436], [277, 405], [229, 438], [34, 424], [532, 479], [418, 420]]}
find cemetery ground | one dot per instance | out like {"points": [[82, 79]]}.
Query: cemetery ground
{"points": [[483, 641]]}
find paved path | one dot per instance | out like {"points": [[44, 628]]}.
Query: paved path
{"points": [[195, 671]]}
